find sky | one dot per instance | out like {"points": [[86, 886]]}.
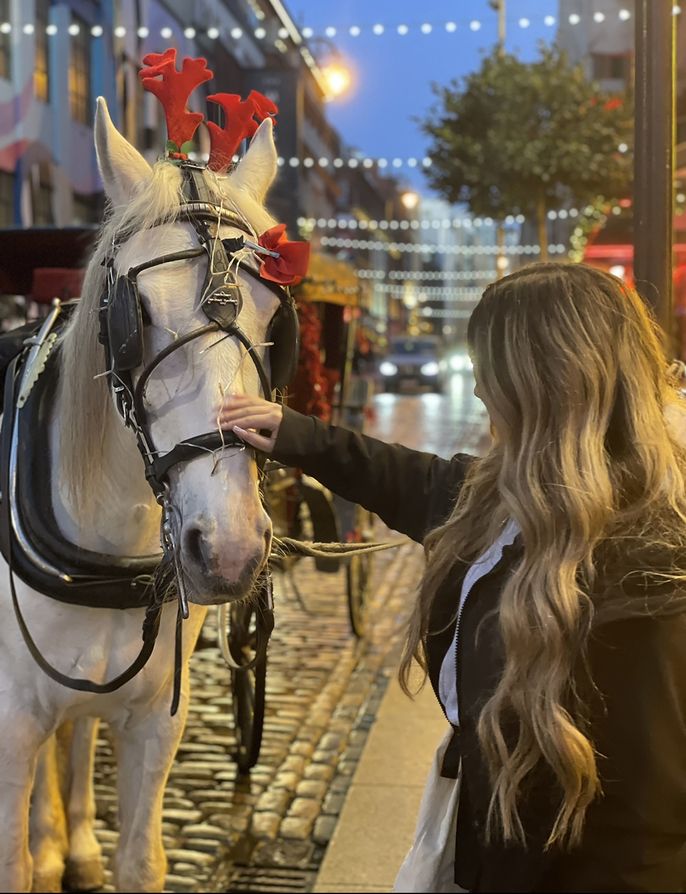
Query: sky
{"points": [[394, 73]]}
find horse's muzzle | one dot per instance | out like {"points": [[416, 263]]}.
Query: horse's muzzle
{"points": [[216, 571]]}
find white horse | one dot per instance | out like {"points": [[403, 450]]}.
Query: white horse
{"points": [[102, 502]]}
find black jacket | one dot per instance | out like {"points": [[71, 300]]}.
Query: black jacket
{"points": [[635, 834]]}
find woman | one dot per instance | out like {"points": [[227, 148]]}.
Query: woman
{"points": [[551, 617]]}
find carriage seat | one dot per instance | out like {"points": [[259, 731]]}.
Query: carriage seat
{"points": [[64, 283]]}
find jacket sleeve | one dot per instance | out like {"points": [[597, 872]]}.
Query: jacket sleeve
{"points": [[635, 833], [410, 490]]}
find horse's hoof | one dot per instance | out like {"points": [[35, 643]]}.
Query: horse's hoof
{"points": [[84, 875], [48, 882]]}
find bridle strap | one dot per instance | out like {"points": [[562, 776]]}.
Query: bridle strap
{"points": [[139, 391], [186, 450], [151, 625]]}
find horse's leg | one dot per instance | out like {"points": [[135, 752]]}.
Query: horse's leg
{"points": [[47, 824], [77, 746], [145, 748], [20, 741]]}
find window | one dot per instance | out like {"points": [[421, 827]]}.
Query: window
{"points": [[610, 67], [6, 199], [87, 208], [80, 73], [41, 81], [41, 195], [5, 42]]}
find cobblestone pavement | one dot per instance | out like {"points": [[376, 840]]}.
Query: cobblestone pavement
{"points": [[268, 831]]}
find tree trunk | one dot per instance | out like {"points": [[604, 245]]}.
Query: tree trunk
{"points": [[542, 223]]}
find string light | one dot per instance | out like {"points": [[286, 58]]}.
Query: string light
{"points": [[444, 313], [352, 162], [463, 222], [429, 291], [378, 29], [428, 248], [456, 294], [485, 276]]}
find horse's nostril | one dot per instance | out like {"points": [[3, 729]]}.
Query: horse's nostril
{"points": [[195, 547]]}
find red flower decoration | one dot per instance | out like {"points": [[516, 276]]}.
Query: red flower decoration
{"points": [[291, 265], [241, 120], [173, 90], [612, 104]]}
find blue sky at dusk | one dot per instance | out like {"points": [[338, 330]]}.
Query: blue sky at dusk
{"points": [[394, 73]]}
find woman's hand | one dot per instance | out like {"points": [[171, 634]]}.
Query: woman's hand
{"points": [[247, 415]]}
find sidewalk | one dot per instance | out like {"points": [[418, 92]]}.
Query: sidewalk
{"points": [[376, 825]]}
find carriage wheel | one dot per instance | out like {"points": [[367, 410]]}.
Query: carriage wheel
{"points": [[248, 685], [358, 576]]}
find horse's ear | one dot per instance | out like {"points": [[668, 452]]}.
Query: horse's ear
{"points": [[256, 170], [123, 168]]}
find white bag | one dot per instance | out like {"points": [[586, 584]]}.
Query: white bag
{"points": [[430, 862]]}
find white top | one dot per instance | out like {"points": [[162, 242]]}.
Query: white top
{"points": [[447, 681]]}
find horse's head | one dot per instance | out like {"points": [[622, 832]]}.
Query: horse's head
{"points": [[222, 529]]}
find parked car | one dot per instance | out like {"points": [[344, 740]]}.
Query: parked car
{"points": [[413, 361]]}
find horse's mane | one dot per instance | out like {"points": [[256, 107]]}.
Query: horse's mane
{"points": [[87, 417]]}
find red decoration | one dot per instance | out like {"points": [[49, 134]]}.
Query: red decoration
{"points": [[291, 265], [612, 104], [309, 390], [241, 120], [173, 91]]}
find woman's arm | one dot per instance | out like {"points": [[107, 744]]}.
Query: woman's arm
{"points": [[410, 490]]}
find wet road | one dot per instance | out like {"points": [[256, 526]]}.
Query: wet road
{"points": [[440, 423]]}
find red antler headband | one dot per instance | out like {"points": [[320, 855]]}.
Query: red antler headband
{"points": [[172, 88], [173, 91], [241, 120], [282, 262]]}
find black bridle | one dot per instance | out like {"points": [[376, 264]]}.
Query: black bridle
{"points": [[221, 302]]}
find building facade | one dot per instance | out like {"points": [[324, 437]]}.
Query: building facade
{"points": [[57, 57]]}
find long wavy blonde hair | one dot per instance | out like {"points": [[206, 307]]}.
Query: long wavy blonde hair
{"points": [[570, 366]]}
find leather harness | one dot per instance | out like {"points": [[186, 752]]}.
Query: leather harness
{"points": [[73, 575]]}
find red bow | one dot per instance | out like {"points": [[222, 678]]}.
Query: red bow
{"points": [[291, 265]]}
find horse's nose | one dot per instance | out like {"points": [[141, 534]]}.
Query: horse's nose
{"points": [[197, 546], [216, 560]]}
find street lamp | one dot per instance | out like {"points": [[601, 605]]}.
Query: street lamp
{"points": [[337, 71], [338, 78], [409, 199]]}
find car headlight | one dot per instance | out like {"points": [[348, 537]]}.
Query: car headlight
{"points": [[388, 369], [430, 368], [460, 363]]}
